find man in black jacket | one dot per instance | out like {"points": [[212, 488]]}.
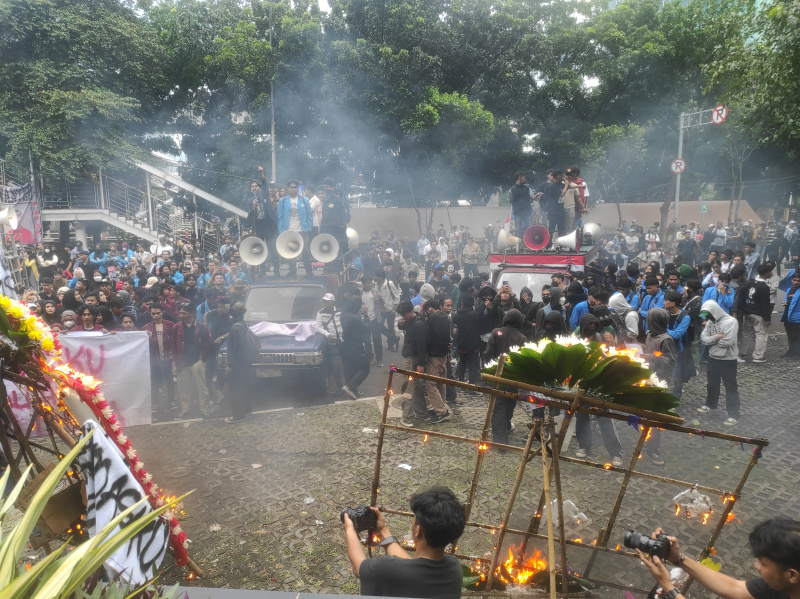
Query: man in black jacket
{"points": [[467, 328], [415, 357], [438, 354], [335, 215], [519, 196], [756, 309], [500, 342]]}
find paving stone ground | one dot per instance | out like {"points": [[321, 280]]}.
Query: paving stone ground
{"points": [[268, 491]]}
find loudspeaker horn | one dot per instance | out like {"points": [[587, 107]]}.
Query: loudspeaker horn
{"points": [[289, 244], [253, 251], [569, 242], [504, 240], [352, 238], [536, 237], [8, 217], [324, 248], [594, 231]]}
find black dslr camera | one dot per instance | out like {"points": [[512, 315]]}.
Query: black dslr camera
{"points": [[659, 546], [362, 517]]}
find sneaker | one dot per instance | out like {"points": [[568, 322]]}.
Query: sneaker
{"points": [[704, 409], [731, 422], [407, 424], [656, 459], [762, 361], [419, 416], [379, 365], [616, 461], [359, 393], [741, 360], [511, 427], [441, 417], [349, 392], [580, 452]]}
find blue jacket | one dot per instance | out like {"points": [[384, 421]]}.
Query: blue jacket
{"points": [[304, 213], [100, 260], [633, 300], [651, 301], [791, 313], [677, 329], [725, 301], [578, 311]]}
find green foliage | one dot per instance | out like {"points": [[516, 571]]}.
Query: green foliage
{"points": [[58, 575], [612, 378]]}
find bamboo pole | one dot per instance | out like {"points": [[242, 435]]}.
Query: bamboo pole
{"points": [[551, 552], [560, 504], [510, 506], [724, 515], [605, 534], [487, 423], [7, 450], [19, 436], [381, 434], [569, 395], [432, 433]]}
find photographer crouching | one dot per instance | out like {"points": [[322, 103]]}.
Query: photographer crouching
{"points": [[775, 545], [438, 521]]}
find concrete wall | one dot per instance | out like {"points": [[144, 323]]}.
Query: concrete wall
{"points": [[403, 221]]}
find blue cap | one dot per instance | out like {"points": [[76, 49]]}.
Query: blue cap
{"points": [[439, 265]]}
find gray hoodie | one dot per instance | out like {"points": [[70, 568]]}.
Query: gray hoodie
{"points": [[726, 348]]}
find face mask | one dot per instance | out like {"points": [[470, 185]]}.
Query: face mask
{"points": [[562, 300], [98, 279], [68, 324]]}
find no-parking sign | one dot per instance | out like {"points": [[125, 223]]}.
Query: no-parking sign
{"points": [[678, 166]]}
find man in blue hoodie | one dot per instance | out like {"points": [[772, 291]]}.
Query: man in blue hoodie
{"points": [[294, 214], [790, 317], [653, 298]]}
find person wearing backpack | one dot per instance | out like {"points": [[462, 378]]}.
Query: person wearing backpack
{"points": [[659, 352], [678, 329], [623, 313], [244, 350]]}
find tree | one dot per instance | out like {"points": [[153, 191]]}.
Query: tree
{"points": [[80, 80]]}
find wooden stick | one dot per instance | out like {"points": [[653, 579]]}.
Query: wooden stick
{"points": [[598, 403], [51, 421], [510, 506], [487, 423], [560, 504], [605, 534], [193, 567], [551, 551], [432, 433], [12, 463], [19, 436], [381, 433], [724, 515]]}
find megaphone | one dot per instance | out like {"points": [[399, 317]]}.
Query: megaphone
{"points": [[324, 248], [569, 242], [504, 240], [289, 244], [352, 238], [593, 231], [536, 237], [253, 251], [8, 217]]}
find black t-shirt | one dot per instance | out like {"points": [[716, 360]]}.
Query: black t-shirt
{"points": [[191, 350], [760, 590], [391, 576], [520, 198], [451, 268], [551, 192]]}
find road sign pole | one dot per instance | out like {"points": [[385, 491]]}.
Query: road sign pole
{"points": [[678, 176]]}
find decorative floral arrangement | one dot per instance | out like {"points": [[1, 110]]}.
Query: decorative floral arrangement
{"points": [[604, 372], [24, 338]]}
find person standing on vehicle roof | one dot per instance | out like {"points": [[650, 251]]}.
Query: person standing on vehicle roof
{"points": [[519, 196]]}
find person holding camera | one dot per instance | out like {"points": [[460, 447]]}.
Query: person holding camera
{"points": [[776, 546], [438, 521]]}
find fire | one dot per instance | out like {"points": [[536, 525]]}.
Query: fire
{"points": [[677, 509], [579, 540], [521, 572], [483, 447], [706, 516], [643, 383], [190, 576], [607, 466], [617, 546], [657, 353], [649, 432], [630, 352], [730, 517], [425, 439]]}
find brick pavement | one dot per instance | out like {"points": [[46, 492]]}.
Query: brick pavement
{"points": [[269, 490]]}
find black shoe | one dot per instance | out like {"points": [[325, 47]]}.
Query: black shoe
{"points": [[436, 419], [419, 416]]}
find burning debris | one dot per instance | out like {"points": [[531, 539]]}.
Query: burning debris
{"points": [[693, 504]]}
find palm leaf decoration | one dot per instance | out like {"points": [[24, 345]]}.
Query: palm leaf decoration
{"points": [[602, 373]]}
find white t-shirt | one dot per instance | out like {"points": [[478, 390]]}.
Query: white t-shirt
{"points": [[294, 219]]}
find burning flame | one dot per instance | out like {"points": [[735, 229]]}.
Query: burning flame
{"points": [[483, 447], [617, 546], [630, 352], [190, 576], [706, 517], [677, 509], [657, 353], [425, 439], [520, 571], [730, 517], [579, 540], [649, 432], [607, 466]]}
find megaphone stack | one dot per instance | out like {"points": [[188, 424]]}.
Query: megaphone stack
{"points": [[352, 238], [324, 248], [253, 251], [569, 242], [289, 244], [536, 237], [8, 217], [504, 240]]}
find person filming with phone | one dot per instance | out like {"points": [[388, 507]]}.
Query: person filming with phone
{"points": [[775, 545]]}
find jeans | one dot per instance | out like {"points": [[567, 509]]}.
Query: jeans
{"points": [[583, 430], [793, 333], [192, 388], [332, 359], [387, 328], [754, 337], [522, 222], [305, 257], [373, 341], [436, 391], [471, 360], [161, 375], [413, 402], [724, 371], [356, 365]]}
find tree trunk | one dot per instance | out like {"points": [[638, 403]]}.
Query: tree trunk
{"points": [[664, 210], [619, 212], [733, 199], [738, 201], [414, 199]]}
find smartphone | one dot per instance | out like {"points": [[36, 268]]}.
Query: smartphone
{"points": [[505, 283]]}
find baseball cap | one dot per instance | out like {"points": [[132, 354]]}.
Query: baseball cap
{"points": [[439, 265], [328, 297], [150, 282], [703, 314]]}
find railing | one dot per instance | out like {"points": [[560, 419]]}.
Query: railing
{"points": [[12, 176], [127, 202], [82, 193]]}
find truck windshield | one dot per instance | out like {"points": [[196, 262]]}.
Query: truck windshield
{"points": [[286, 303]]}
